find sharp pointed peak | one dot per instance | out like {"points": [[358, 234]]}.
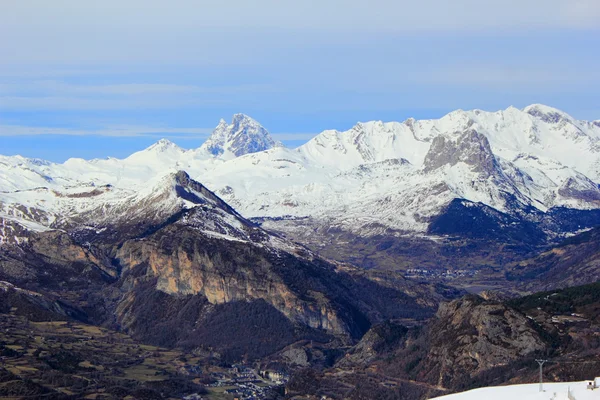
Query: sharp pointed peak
{"points": [[244, 135], [241, 116], [241, 121], [238, 120]]}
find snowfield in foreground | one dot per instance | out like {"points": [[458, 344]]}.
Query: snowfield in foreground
{"points": [[552, 391]]}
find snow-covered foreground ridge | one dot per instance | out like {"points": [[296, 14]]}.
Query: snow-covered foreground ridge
{"points": [[390, 176], [552, 391]]}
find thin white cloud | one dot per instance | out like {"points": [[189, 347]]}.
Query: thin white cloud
{"points": [[387, 79], [131, 131], [58, 103], [127, 89], [113, 131], [35, 71], [56, 87], [58, 95], [130, 89]]}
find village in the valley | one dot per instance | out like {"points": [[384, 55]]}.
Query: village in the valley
{"points": [[241, 382]]}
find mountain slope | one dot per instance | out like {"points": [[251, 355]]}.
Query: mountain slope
{"points": [[211, 251], [177, 250], [575, 261]]}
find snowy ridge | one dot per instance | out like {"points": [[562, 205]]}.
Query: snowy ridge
{"points": [[340, 176], [376, 177], [15, 231], [89, 212]]}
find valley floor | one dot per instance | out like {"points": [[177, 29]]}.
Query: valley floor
{"points": [[65, 360]]}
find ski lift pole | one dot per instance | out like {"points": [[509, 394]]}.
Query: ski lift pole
{"points": [[541, 363]]}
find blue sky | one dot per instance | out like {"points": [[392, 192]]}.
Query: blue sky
{"points": [[83, 79]]}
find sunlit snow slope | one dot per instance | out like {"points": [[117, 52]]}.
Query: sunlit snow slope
{"points": [[552, 391]]}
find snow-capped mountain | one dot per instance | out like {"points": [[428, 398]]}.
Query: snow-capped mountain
{"points": [[379, 176], [374, 178], [243, 136]]}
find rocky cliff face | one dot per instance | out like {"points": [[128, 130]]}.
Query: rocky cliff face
{"points": [[380, 341], [209, 250], [185, 263], [471, 335], [184, 260], [466, 337], [469, 342]]}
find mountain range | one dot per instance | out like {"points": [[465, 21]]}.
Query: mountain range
{"points": [[510, 168]]}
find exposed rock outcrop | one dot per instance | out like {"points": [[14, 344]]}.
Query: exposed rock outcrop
{"points": [[471, 335], [471, 148], [185, 263]]}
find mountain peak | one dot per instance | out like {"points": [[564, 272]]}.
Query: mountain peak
{"points": [[243, 118], [243, 136], [546, 113], [164, 149], [164, 144]]}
